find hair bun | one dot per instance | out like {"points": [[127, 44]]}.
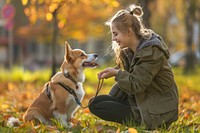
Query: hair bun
{"points": [[136, 10]]}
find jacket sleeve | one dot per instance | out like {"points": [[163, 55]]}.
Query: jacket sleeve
{"points": [[117, 92], [148, 65]]}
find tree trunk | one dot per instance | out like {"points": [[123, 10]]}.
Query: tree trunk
{"points": [[190, 56], [54, 42], [198, 45], [147, 12], [198, 19]]}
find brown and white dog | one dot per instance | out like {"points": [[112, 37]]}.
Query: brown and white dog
{"points": [[58, 99]]}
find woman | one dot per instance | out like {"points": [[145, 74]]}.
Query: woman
{"points": [[145, 92]]}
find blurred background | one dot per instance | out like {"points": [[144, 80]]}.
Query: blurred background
{"points": [[33, 32], [32, 38]]}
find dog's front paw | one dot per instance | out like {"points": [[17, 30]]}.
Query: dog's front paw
{"points": [[69, 122], [69, 125]]}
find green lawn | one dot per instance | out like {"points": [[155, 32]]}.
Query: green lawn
{"points": [[19, 87]]}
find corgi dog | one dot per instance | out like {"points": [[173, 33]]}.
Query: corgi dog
{"points": [[59, 97]]}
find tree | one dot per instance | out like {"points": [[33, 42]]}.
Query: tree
{"points": [[147, 13], [190, 17], [72, 18]]}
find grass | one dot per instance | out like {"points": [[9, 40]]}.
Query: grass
{"points": [[19, 87], [18, 74], [189, 81]]}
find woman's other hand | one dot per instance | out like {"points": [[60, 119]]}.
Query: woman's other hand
{"points": [[107, 73]]}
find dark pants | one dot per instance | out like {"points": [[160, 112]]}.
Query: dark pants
{"points": [[111, 109]]}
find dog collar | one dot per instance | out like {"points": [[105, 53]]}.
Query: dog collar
{"points": [[67, 75]]}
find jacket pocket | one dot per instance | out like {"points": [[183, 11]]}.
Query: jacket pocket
{"points": [[163, 120], [159, 104]]}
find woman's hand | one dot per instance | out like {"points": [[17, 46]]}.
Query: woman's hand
{"points": [[107, 73]]}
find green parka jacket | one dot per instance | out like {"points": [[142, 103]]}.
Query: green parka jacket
{"points": [[148, 83]]}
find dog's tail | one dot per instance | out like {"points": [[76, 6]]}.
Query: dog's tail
{"points": [[13, 122]]}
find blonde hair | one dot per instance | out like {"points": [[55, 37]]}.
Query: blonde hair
{"points": [[128, 18]]}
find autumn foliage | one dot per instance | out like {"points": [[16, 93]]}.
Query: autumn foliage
{"points": [[17, 95], [77, 19]]}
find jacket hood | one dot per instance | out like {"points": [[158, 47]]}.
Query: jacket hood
{"points": [[155, 40]]}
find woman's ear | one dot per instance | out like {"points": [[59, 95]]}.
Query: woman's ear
{"points": [[130, 32]]}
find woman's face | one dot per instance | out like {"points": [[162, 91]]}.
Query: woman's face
{"points": [[121, 38]]}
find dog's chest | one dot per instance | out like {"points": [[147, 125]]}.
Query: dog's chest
{"points": [[80, 91]]}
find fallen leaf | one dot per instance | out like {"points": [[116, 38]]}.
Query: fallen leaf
{"points": [[118, 130], [99, 128], [74, 121], [7, 116], [132, 130], [5, 106], [86, 110]]}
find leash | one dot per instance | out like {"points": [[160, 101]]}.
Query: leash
{"points": [[99, 86], [72, 92]]}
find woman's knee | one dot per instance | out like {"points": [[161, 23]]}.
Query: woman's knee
{"points": [[92, 104], [96, 102]]}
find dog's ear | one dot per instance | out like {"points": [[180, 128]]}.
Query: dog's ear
{"points": [[68, 52]]}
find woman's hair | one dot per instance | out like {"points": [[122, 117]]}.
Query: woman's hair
{"points": [[128, 18]]}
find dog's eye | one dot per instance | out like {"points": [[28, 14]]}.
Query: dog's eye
{"points": [[82, 54]]}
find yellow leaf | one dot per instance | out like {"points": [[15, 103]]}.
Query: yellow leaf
{"points": [[53, 7], [24, 2], [4, 106], [49, 16], [132, 130], [11, 86], [40, 1], [115, 4]]}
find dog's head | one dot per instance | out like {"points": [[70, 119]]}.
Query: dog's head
{"points": [[77, 60]]}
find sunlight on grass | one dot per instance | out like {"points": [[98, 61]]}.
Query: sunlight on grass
{"points": [[18, 88], [190, 81], [19, 74]]}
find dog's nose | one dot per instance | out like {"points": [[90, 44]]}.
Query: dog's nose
{"points": [[95, 55]]}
